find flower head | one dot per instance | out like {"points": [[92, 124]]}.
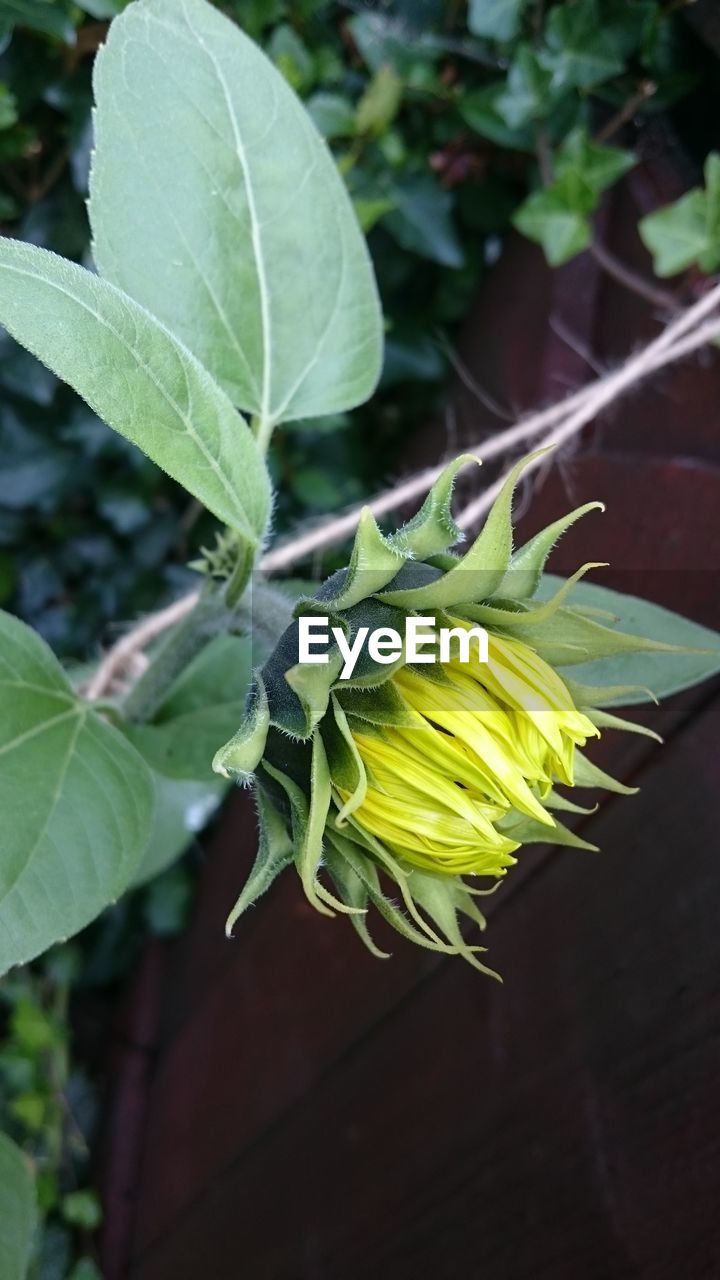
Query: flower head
{"points": [[413, 786]]}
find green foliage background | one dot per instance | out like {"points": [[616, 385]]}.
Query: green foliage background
{"points": [[433, 110]]}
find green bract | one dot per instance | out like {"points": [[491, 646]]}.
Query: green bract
{"points": [[337, 762]]}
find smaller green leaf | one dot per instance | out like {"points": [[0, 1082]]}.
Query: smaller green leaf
{"points": [[526, 96], [677, 235], [45, 16], [598, 166], [687, 231], [332, 114], [496, 19], [480, 108], [380, 102], [82, 1209], [182, 811], [17, 1211], [201, 711], [422, 220], [30, 1110], [383, 39], [558, 218], [580, 50], [33, 1030]]}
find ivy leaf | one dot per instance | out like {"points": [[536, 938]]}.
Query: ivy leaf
{"points": [[394, 40], [45, 16], [557, 217], [332, 114], [421, 220], [526, 95], [138, 378], [580, 50], [677, 235], [495, 19], [687, 231], [17, 1211], [215, 203], [481, 109], [76, 800], [599, 166], [663, 673]]}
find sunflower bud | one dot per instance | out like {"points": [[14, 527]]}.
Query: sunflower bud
{"points": [[410, 781]]}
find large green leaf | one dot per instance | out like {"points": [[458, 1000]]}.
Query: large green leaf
{"points": [[76, 801], [662, 673], [216, 204], [17, 1211], [138, 378]]}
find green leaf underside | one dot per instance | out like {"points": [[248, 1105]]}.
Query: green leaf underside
{"points": [[182, 810], [208, 168], [138, 378], [662, 673], [17, 1211], [202, 710], [76, 799]]}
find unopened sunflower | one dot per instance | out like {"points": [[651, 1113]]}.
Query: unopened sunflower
{"points": [[412, 786]]}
